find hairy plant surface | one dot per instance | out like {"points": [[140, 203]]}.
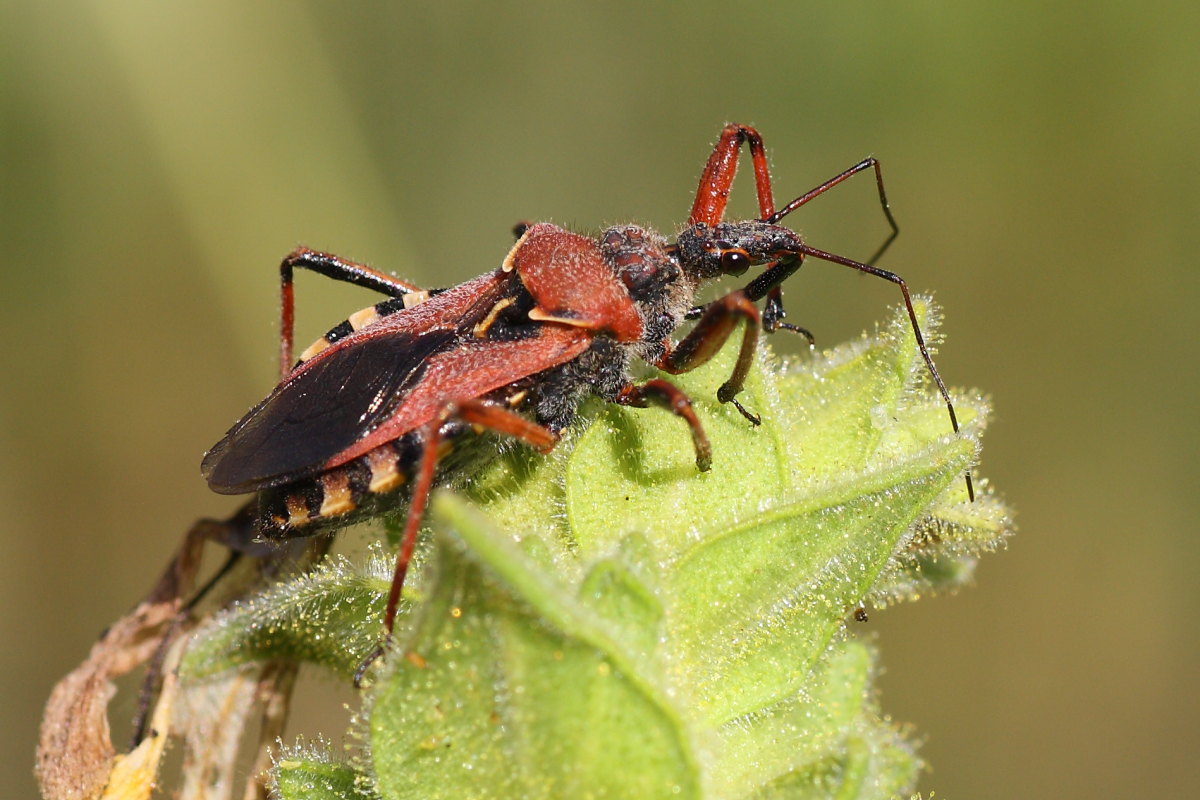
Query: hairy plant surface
{"points": [[610, 622]]}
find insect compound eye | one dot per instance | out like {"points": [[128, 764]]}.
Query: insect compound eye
{"points": [[734, 261]]}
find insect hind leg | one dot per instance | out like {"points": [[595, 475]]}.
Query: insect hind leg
{"points": [[238, 533], [474, 412], [331, 266]]}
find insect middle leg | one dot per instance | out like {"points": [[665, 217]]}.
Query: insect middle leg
{"points": [[330, 266], [702, 343], [669, 396]]}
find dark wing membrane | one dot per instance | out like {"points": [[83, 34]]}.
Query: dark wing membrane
{"points": [[320, 411]]}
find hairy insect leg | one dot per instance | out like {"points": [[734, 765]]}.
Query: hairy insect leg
{"points": [[331, 266], [712, 196], [665, 394], [766, 284], [787, 326], [710, 333], [237, 533], [240, 535], [474, 412], [916, 327]]}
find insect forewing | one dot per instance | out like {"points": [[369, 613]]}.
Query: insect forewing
{"points": [[320, 411]]}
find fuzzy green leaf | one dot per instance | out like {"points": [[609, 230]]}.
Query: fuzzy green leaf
{"points": [[610, 622], [304, 774], [328, 617], [498, 643]]}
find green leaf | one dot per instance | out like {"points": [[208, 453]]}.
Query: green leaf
{"points": [[306, 774], [825, 741], [497, 644], [607, 621], [328, 617], [943, 550]]}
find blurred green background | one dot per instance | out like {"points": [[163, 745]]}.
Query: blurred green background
{"points": [[159, 158]]}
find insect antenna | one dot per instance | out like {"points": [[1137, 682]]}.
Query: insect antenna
{"points": [[806, 250], [866, 163]]}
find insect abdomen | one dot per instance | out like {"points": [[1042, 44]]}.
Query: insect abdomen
{"points": [[336, 493], [364, 486], [361, 319]]}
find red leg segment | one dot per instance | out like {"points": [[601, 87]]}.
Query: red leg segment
{"points": [[712, 196], [710, 333], [665, 394], [475, 412]]}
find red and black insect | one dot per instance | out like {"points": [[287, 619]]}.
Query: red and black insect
{"points": [[375, 404]]}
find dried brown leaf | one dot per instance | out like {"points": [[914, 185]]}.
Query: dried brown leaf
{"points": [[75, 754]]}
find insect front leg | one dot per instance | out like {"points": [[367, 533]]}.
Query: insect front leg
{"points": [[474, 412], [766, 285], [665, 394], [710, 333], [330, 266], [712, 196]]}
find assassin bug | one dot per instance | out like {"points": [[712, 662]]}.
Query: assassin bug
{"points": [[379, 400]]}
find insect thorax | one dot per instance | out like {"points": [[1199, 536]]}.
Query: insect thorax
{"points": [[658, 287]]}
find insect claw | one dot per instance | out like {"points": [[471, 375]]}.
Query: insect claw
{"points": [[755, 419], [728, 394], [805, 332], [371, 658]]}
